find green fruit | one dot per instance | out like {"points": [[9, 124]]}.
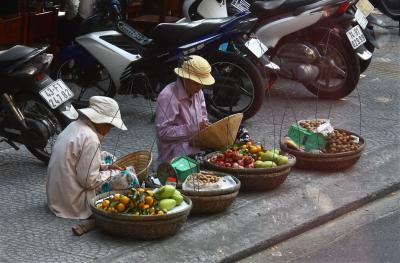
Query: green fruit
{"points": [[167, 204], [281, 160], [164, 192], [258, 164], [268, 164], [177, 197], [268, 156]]}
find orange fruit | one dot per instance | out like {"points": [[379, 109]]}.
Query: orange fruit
{"points": [[248, 144], [253, 149], [124, 199], [120, 207], [149, 200], [105, 203], [259, 148], [141, 190], [150, 192], [116, 197], [146, 207], [141, 204]]}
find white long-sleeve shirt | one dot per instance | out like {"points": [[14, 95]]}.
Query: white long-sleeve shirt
{"points": [[74, 170]]}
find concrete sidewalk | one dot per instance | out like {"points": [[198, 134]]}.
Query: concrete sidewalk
{"points": [[30, 233]]}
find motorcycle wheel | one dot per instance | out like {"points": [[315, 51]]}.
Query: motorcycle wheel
{"points": [[94, 81], [34, 107], [339, 68], [238, 86]]}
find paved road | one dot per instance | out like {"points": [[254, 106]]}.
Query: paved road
{"points": [[368, 235], [30, 233]]}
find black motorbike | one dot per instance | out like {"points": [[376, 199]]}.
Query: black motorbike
{"points": [[33, 108]]}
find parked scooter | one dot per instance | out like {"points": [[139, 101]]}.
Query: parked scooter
{"points": [[33, 108], [307, 39], [123, 60]]}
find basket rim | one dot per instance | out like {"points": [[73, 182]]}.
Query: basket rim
{"points": [[326, 155], [149, 153], [217, 192], [130, 217], [292, 162]]}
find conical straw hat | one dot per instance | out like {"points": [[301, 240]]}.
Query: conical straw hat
{"points": [[219, 134]]}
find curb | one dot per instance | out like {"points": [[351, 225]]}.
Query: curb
{"points": [[318, 221]]}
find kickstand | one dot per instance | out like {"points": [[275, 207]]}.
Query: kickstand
{"points": [[10, 143]]}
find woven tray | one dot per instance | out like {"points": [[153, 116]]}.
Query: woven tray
{"points": [[255, 179], [205, 203], [138, 227], [140, 160], [326, 161]]}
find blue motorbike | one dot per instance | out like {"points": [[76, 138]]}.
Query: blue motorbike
{"points": [[109, 57]]}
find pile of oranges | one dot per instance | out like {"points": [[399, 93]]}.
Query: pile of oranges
{"points": [[137, 201]]}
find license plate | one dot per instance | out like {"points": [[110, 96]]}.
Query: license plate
{"points": [[360, 18], [256, 47], [356, 36], [56, 94], [365, 6]]}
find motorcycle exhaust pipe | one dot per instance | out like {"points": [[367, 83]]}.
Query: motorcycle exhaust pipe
{"points": [[297, 71], [17, 112]]}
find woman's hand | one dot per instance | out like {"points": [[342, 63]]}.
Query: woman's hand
{"points": [[204, 124]]}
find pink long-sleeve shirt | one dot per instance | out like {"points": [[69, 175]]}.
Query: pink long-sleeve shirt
{"points": [[177, 119]]}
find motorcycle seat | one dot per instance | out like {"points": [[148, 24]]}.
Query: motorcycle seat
{"points": [[178, 33], [276, 7], [14, 54]]}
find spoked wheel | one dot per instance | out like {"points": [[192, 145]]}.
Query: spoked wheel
{"points": [[339, 68], [93, 81], [238, 86], [33, 107]]}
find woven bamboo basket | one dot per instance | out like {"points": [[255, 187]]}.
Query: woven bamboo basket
{"points": [[219, 134], [326, 161], [205, 203], [140, 160], [138, 227], [256, 179]]}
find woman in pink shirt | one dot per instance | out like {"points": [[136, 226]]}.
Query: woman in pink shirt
{"points": [[181, 109]]}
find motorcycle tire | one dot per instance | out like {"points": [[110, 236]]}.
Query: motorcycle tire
{"points": [[33, 105], [85, 82], [339, 49], [227, 92]]}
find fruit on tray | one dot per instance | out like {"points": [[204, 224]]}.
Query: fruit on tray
{"points": [[165, 192], [249, 156], [139, 201], [341, 141], [311, 125]]}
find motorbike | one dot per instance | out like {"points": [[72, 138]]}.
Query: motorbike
{"points": [[109, 57], [33, 108], [309, 40]]}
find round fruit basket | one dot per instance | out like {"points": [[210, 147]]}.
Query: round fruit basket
{"points": [[255, 179], [140, 160], [326, 161], [211, 202], [141, 227]]}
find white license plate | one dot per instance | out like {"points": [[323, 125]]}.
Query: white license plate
{"points": [[256, 47], [56, 93], [365, 7], [356, 36], [360, 18]]}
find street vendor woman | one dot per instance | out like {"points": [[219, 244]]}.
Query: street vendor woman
{"points": [[181, 109], [74, 173]]}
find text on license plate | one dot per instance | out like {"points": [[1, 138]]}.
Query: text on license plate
{"points": [[356, 37], [56, 93]]}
